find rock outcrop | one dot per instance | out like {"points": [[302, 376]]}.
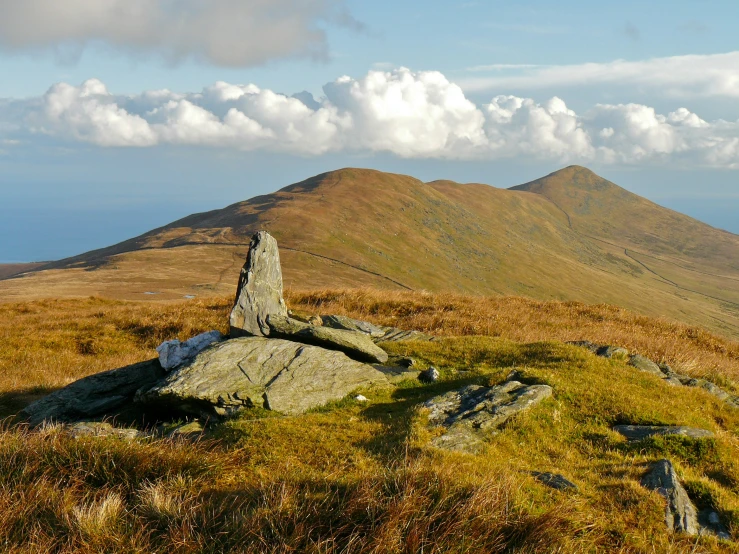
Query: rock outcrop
{"points": [[255, 371], [641, 432], [464, 413], [173, 353], [97, 395], [259, 292], [354, 344]]}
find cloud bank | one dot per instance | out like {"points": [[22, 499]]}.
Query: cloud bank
{"points": [[405, 113], [225, 32], [676, 76]]}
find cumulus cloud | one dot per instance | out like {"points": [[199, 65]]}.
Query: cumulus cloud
{"points": [[409, 114], [224, 32], [676, 76]]}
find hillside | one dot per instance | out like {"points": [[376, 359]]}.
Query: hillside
{"points": [[569, 236]]}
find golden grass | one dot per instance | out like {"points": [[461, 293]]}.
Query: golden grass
{"points": [[360, 477]]}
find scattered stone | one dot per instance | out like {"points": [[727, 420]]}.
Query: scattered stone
{"points": [[397, 374], [680, 513], [274, 374], [715, 390], [555, 481], [259, 291], [467, 411], [360, 398], [645, 364], [711, 522], [612, 352], [431, 375], [354, 344], [102, 429], [640, 432], [93, 396], [173, 353], [585, 344]]}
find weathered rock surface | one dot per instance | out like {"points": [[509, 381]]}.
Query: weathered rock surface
{"points": [[102, 429], [430, 375], [378, 333], [608, 351], [259, 292], [680, 513], [254, 371], [640, 432], [643, 363], [173, 353], [555, 481], [96, 395], [354, 344], [467, 411]]}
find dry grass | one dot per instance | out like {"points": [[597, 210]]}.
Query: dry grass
{"points": [[360, 477]]}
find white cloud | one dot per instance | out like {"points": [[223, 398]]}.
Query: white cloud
{"points": [[676, 76], [409, 114], [224, 32]]}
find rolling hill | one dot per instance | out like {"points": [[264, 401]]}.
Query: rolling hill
{"points": [[568, 236]]}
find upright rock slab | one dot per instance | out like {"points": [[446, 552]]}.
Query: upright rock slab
{"points": [[259, 292], [680, 513], [255, 371]]}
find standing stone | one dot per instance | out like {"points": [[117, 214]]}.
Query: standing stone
{"points": [[259, 293]]}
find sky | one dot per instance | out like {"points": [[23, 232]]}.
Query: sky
{"points": [[118, 116]]}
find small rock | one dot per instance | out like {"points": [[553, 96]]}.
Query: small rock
{"points": [[101, 429], [612, 352], [680, 513], [430, 375], [645, 364], [360, 398], [555, 481], [640, 432], [259, 292], [173, 353]]}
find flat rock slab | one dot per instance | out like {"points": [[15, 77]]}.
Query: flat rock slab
{"points": [[467, 411], [555, 481], [259, 292], [640, 432], [680, 513], [275, 374], [96, 395], [378, 333], [352, 343]]}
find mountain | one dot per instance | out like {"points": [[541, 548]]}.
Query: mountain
{"points": [[571, 235]]}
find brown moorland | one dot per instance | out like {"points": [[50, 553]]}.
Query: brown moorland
{"points": [[569, 236]]}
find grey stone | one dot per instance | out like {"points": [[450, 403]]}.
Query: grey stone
{"points": [[430, 375], [680, 513], [354, 344], [101, 429], [378, 333], [467, 411], [607, 351], [555, 481], [259, 291], [276, 374], [640, 432], [714, 390], [711, 523], [95, 395], [173, 352], [645, 364]]}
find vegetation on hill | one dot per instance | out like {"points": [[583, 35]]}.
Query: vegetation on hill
{"points": [[360, 477], [569, 236]]}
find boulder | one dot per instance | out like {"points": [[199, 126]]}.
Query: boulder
{"points": [[378, 333], [173, 352], [640, 432], [680, 513], [643, 363], [555, 481], [96, 395], [259, 291], [354, 344], [465, 412], [275, 374]]}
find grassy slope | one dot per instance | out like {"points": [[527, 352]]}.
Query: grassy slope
{"points": [[360, 477], [367, 228]]}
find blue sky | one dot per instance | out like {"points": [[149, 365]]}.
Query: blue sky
{"points": [[114, 119]]}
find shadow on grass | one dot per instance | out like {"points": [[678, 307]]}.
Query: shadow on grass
{"points": [[12, 402]]}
